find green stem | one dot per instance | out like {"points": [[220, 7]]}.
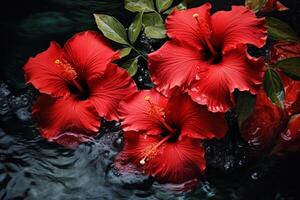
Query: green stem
{"points": [[138, 52]]}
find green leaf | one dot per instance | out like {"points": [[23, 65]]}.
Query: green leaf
{"points": [[111, 28], [181, 6], [125, 51], [135, 28], [131, 66], [255, 5], [163, 4], [152, 19], [280, 30], [274, 87], [139, 5], [155, 32], [245, 106], [291, 67]]}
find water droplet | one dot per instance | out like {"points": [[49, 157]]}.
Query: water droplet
{"points": [[254, 176]]}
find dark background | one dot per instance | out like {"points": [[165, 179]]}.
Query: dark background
{"points": [[27, 27]]}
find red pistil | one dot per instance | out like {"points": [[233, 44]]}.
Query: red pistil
{"points": [[159, 114], [205, 29], [69, 73]]}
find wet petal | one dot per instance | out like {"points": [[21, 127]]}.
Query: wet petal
{"points": [[195, 120], [109, 90], [71, 140], [292, 97], [57, 115], [262, 128], [45, 74], [183, 26], [289, 140], [174, 162], [174, 65], [139, 115], [237, 70], [89, 53], [283, 50], [238, 26]]}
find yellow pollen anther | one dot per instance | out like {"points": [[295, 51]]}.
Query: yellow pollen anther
{"points": [[196, 15], [67, 70], [143, 161], [147, 98], [57, 61]]}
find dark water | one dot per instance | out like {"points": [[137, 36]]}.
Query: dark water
{"points": [[32, 168]]}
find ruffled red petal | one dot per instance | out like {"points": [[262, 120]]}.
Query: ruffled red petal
{"points": [[174, 162], [183, 26], [137, 114], [289, 140], [195, 120], [107, 92], [44, 74], [261, 129], [175, 65], [238, 26], [57, 115], [237, 70], [89, 54]]}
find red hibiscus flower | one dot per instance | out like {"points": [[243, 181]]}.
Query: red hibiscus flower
{"points": [[280, 51], [262, 128], [79, 83], [163, 136], [207, 55]]}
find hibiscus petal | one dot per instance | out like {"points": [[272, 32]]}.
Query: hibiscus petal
{"points": [[261, 129], [44, 74], [238, 26], [71, 140], [283, 50], [107, 92], [237, 70], [174, 162], [136, 112], [57, 115], [89, 53], [289, 140], [195, 120], [183, 26], [174, 65], [292, 97]]}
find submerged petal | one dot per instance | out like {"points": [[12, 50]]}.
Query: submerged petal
{"points": [[45, 74], [174, 162], [195, 120], [175, 65], [89, 53], [238, 26], [57, 115], [237, 70], [289, 140], [142, 112], [262, 128], [107, 92]]}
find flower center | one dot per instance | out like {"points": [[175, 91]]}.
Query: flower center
{"points": [[158, 113], [69, 74], [211, 55]]}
